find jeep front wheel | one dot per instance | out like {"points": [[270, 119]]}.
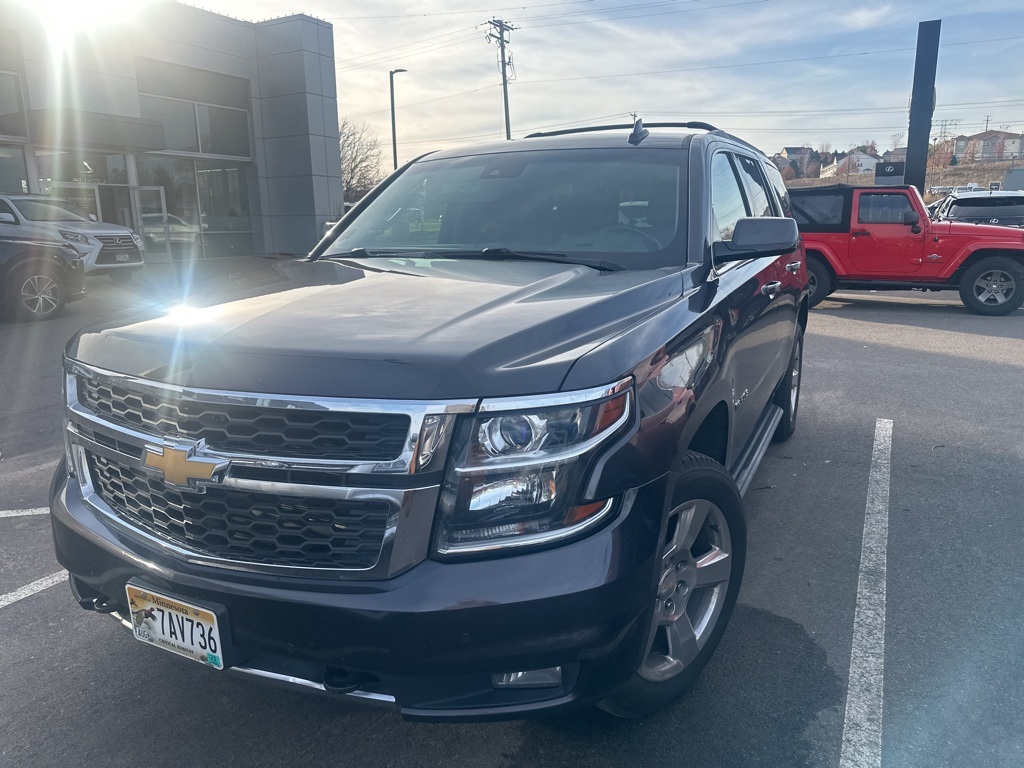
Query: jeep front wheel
{"points": [[993, 286], [819, 279], [699, 572]]}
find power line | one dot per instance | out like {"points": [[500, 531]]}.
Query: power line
{"points": [[407, 45], [457, 13], [409, 54], [752, 63], [644, 15], [429, 101]]}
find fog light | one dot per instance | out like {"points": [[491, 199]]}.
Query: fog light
{"points": [[551, 677]]}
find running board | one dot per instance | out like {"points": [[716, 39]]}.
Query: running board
{"points": [[745, 468]]}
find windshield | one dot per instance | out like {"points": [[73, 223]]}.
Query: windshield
{"points": [[987, 206], [623, 205], [50, 210]]}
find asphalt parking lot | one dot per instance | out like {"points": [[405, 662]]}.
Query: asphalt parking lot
{"points": [[901, 638]]}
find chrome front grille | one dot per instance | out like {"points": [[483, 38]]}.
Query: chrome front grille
{"points": [[247, 526], [283, 432], [324, 487], [117, 242]]}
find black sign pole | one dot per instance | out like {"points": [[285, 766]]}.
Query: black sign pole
{"points": [[922, 102]]}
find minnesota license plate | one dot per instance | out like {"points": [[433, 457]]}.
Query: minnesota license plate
{"points": [[176, 626], [122, 258]]}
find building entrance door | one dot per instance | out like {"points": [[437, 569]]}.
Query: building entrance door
{"points": [[151, 215]]}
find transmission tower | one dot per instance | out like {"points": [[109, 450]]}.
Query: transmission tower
{"points": [[499, 33]]}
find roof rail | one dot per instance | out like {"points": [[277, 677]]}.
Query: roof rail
{"points": [[589, 129]]}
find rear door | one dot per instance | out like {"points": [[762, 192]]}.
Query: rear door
{"points": [[881, 245]]}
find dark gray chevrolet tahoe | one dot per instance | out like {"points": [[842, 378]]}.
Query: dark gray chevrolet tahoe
{"points": [[481, 454]]}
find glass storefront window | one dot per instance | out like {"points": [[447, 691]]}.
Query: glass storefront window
{"points": [[223, 131], [179, 119], [84, 167], [223, 196], [12, 112], [13, 178]]}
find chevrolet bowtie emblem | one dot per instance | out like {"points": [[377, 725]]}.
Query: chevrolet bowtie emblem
{"points": [[181, 467]]}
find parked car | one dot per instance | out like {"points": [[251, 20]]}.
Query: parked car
{"points": [[105, 248], [473, 470], [881, 238], [38, 278], [1001, 208]]}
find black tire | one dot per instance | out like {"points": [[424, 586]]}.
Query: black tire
{"points": [[787, 394], [35, 292], [702, 483], [820, 278], [121, 276], [993, 286]]}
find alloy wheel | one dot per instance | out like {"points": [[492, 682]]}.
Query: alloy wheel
{"points": [[994, 287], [696, 567], [40, 295]]}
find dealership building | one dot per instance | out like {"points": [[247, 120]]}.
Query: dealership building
{"points": [[209, 135]]}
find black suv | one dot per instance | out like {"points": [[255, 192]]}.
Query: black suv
{"points": [[481, 454]]}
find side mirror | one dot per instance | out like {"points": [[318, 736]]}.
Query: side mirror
{"points": [[912, 219], [7, 218], [92, 217], [757, 237]]}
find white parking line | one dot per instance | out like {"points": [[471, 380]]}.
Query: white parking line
{"points": [[24, 512], [862, 728], [30, 589]]}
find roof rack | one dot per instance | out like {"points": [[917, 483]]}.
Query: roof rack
{"points": [[589, 129]]}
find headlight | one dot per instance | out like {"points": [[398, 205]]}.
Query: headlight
{"points": [[136, 239], [75, 237], [516, 476]]}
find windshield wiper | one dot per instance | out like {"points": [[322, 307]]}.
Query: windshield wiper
{"points": [[501, 253]]}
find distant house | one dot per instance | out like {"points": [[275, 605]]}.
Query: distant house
{"points": [[850, 162], [800, 154], [894, 155], [989, 146]]}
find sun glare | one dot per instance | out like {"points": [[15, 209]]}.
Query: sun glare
{"points": [[65, 20]]}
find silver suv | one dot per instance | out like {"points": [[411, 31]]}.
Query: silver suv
{"points": [[104, 248]]}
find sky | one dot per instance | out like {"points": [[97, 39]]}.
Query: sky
{"points": [[774, 72]]}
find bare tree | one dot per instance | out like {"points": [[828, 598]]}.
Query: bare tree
{"points": [[897, 140], [361, 160]]}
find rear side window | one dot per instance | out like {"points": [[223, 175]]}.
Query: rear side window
{"points": [[757, 188], [877, 208], [5, 208], [727, 204], [775, 179], [815, 211]]}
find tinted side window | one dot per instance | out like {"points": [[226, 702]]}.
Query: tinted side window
{"points": [[5, 208], [727, 204], [819, 210], [775, 179], [882, 209], [756, 186]]}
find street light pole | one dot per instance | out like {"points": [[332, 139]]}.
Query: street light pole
{"points": [[394, 132]]}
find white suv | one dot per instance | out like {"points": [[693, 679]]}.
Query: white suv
{"points": [[104, 248]]}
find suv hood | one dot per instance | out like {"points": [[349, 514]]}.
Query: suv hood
{"points": [[88, 227], [444, 330]]}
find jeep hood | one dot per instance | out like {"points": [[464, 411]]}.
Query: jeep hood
{"points": [[396, 329]]}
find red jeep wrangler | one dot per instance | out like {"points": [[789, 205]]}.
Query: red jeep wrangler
{"points": [[880, 238]]}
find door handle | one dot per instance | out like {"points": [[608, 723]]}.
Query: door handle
{"points": [[793, 266], [859, 233], [770, 289]]}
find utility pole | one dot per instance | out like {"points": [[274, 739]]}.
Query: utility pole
{"points": [[499, 30], [987, 118], [394, 130]]}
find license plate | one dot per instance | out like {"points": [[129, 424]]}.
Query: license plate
{"points": [[122, 258], [174, 625]]}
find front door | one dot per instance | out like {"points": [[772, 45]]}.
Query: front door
{"points": [[151, 216], [881, 245]]}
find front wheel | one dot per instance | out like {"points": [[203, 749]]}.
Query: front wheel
{"points": [[36, 292], [700, 567], [993, 286]]}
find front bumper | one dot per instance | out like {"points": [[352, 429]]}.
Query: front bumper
{"points": [[426, 641]]}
